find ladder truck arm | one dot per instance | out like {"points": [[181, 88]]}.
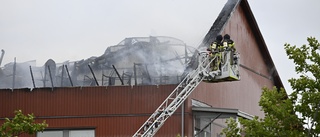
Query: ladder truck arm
{"points": [[229, 71], [175, 99]]}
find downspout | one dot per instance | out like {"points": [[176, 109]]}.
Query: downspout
{"points": [[182, 120]]}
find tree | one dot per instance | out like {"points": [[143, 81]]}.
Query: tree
{"points": [[232, 130], [295, 114], [306, 88], [279, 120], [21, 124]]}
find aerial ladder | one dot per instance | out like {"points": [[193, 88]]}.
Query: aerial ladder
{"points": [[229, 71]]}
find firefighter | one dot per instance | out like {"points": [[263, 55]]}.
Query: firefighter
{"points": [[228, 45], [214, 53]]}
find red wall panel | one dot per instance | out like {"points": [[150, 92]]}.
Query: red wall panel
{"points": [[112, 111]]}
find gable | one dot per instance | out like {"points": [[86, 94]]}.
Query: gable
{"points": [[237, 20], [256, 66]]}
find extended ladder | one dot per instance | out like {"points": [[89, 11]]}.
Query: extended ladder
{"points": [[176, 98]]}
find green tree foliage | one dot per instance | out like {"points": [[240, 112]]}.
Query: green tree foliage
{"points": [[306, 88], [232, 130], [279, 120], [21, 124], [290, 115]]}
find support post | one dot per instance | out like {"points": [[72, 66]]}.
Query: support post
{"points": [[14, 73], [102, 79], [34, 85], [69, 75], [135, 73], [50, 77], [62, 71], [1, 56], [95, 79], [118, 74], [148, 75]]}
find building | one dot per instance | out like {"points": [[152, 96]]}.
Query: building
{"points": [[118, 111]]}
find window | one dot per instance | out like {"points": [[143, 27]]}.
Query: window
{"points": [[67, 133], [50, 134], [202, 127], [81, 133]]}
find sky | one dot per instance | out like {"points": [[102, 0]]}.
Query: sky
{"points": [[286, 21], [78, 29]]}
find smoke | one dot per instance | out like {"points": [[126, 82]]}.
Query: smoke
{"points": [[16, 75], [134, 61]]}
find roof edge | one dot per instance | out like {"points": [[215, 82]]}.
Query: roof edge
{"points": [[223, 110], [263, 48], [220, 22]]}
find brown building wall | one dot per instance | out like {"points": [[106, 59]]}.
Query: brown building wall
{"points": [[244, 94], [111, 111]]}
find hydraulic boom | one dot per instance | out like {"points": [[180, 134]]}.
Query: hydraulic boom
{"points": [[229, 72]]}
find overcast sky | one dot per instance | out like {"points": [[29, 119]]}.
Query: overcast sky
{"points": [[286, 21], [78, 29]]}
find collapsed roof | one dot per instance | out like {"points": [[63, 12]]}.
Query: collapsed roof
{"points": [[134, 61]]}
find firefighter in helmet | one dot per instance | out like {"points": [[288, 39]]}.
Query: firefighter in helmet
{"points": [[214, 53], [228, 45]]}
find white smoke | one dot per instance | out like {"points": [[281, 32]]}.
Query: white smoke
{"points": [[161, 60]]}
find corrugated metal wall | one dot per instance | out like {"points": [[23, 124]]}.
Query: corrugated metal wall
{"points": [[86, 100], [112, 111]]}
